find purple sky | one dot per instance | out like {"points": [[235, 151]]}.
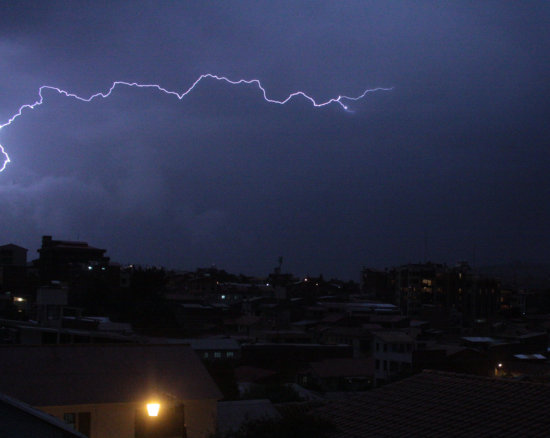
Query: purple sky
{"points": [[453, 161]]}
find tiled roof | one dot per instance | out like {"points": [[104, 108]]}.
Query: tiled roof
{"points": [[108, 373], [437, 404]]}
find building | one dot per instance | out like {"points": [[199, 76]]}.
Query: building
{"points": [[63, 259], [215, 349], [393, 356], [13, 269], [19, 420], [13, 255], [416, 287], [342, 374], [104, 390]]}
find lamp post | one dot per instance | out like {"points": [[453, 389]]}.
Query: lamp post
{"points": [[161, 417]]}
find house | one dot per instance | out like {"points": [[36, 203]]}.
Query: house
{"points": [[340, 374], [103, 390], [19, 420], [215, 348], [63, 259], [393, 355], [13, 269], [360, 338], [438, 404], [13, 255]]}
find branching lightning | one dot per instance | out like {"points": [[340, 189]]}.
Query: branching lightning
{"points": [[337, 100]]}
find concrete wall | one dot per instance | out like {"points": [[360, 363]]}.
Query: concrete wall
{"points": [[117, 420], [109, 420]]}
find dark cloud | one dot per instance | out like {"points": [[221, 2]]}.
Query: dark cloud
{"points": [[455, 156]]}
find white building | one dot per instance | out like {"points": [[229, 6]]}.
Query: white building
{"points": [[393, 351]]}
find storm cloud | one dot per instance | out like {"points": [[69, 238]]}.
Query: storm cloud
{"points": [[453, 161]]}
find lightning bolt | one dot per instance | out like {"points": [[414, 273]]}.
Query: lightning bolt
{"points": [[6, 158], [337, 100]]}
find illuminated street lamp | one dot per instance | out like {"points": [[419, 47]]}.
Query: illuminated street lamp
{"points": [[153, 409]]}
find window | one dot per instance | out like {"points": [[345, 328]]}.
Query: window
{"points": [[81, 421], [70, 419], [385, 365], [205, 354], [217, 354], [377, 364], [385, 348], [230, 354], [377, 346]]}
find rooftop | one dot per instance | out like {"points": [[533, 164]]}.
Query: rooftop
{"points": [[438, 404], [393, 337], [26, 415], [107, 373], [343, 367]]}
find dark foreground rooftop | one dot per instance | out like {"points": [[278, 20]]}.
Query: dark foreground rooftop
{"points": [[437, 404]]}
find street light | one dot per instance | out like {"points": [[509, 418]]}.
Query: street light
{"points": [[153, 409]]}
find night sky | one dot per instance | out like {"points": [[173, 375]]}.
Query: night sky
{"points": [[453, 163]]}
